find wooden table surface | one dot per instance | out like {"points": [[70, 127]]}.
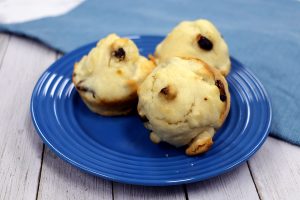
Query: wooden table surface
{"points": [[29, 170]]}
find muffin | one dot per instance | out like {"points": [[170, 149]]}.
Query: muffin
{"points": [[183, 102], [108, 77], [196, 39]]}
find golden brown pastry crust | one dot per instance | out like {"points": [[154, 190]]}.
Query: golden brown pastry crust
{"points": [[200, 144]]}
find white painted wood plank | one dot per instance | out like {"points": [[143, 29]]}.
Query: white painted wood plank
{"points": [[4, 39], [132, 192], [276, 170], [236, 184], [20, 147], [61, 181]]}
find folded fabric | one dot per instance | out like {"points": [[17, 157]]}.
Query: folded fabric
{"points": [[12, 11], [263, 35]]}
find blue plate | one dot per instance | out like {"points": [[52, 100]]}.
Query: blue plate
{"points": [[119, 148]]}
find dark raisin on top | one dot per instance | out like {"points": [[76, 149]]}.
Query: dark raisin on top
{"points": [[165, 91], [120, 54], [168, 92], [204, 43], [220, 85]]}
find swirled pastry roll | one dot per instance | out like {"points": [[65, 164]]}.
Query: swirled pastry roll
{"points": [[196, 39], [183, 102], [108, 77]]}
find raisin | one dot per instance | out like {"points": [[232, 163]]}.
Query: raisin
{"points": [[86, 89], [220, 85], [204, 43], [120, 54], [165, 91], [168, 92], [223, 97]]}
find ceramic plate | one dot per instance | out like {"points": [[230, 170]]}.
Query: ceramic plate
{"points": [[119, 148]]}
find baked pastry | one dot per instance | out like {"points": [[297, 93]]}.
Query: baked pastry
{"points": [[108, 77], [183, 102], [196, 39]]}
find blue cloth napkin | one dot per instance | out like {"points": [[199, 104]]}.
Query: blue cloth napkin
{"points": [[263, 35]]}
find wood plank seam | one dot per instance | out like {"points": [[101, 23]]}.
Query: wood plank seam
{"points": [[40, 173], [250, 170], [276, 170], [185, 192], [112, 190]]}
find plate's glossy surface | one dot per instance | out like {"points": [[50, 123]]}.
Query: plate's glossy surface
{"points": [[119, 149]]}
